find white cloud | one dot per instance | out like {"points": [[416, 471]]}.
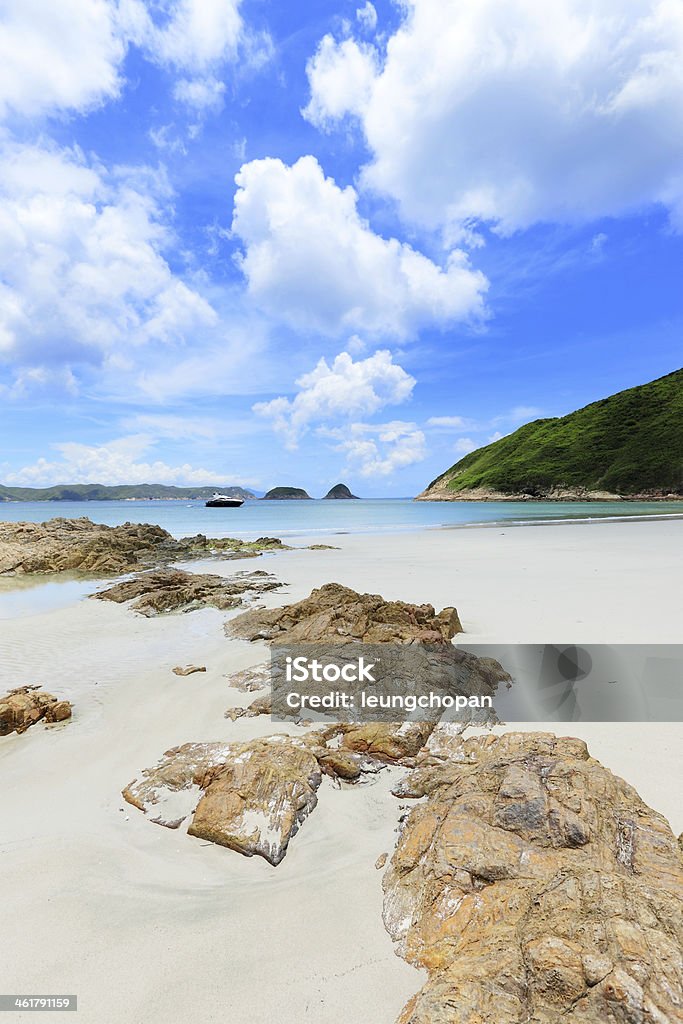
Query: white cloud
{"points": [[447, 422], [341, 390], [310, 259], [68, 55], [341, 76], [192, 35], [465, 445], [514, 112], [116, 462], [200, 93], [367, 16], [53, 56], [381, 449], [81, 260]]}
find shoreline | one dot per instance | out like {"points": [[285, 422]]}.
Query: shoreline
{"points": [[75, 855]]}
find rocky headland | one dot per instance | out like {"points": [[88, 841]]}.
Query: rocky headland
{"points": [[60, 545]]}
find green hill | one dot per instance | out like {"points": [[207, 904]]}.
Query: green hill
{"points": [[101, 492], [627, 445]]}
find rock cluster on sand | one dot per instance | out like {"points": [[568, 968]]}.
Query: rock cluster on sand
{"points": [[267, 779], [251, 797], [169, 590], [79, 544], [534, 885], [24, 706], [333, 612]]}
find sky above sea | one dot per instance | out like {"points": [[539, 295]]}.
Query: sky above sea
{"points": [[291, 244]]}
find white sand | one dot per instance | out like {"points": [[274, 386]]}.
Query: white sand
{"points": [[148, 925]]}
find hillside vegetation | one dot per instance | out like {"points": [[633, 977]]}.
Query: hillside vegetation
{"points": [[628, 444], [101, 492]]}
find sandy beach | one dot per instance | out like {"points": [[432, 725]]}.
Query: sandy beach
{"points": [[147, 925]]}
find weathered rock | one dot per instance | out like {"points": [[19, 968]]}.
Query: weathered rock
{"points": [[260, 706], [250, 797], [24, 706], [397, 742], [258, 801], [533, 885], [170, 791], [257, 677], [188, 670], [334, 613], [61, 544], [381, 861], [169, 590]]}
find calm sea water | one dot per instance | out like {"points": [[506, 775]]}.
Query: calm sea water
{"points": [[308, 518]]}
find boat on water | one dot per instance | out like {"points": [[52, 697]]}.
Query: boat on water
{"points": [[223, 501]]}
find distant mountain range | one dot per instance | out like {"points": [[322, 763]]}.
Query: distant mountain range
{"points": [[123, 492], [624, 446]]}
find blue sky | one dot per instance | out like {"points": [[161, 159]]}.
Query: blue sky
{"points": [[273, 244]]}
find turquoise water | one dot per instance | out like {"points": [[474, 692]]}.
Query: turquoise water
{"points": [[309, 518]]}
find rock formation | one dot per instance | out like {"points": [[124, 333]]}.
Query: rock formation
{"points": [[286, 494], [24, 706], [79, 544], [251, 797], [187, 670], [169, 590], [339, 492], [333, 613], [533, 885]]}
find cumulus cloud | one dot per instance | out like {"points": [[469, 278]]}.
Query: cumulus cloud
{"points": [[514, 112], [63, 55], [311, 259], [341, 76], [340, 390], [117, 462], [68, 55], [367, 16], [379, 449], [192, 35], [82, 260]]}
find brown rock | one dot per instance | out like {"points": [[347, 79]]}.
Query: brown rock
{"points": [[260, 706], [533, 885], [188, 670], [258, 801], [381, 861], [334, 613], [251, 797], [257, 677], [169, 590], [387, 742], [79, 544], [24, 706]]}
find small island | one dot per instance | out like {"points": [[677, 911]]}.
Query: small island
{"points": [[286, 494], [340, 492]]}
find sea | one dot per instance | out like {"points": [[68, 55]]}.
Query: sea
{"points": [[290, 519]]}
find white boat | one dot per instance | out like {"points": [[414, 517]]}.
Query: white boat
{"points": [[223, 501]]}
